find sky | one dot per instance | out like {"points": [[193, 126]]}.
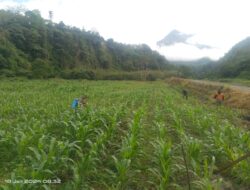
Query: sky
{"points": [[208, 28]]}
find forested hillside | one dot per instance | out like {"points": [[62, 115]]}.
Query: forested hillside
{"points": [[236, 63], [38, 48]]}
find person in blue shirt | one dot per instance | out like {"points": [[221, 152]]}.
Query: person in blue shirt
{"points": [[75, 103], [79, 102]]}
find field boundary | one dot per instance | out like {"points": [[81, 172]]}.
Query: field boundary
{"points": [[235, 96]]}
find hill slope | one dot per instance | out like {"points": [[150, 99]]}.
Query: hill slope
{"points": [[236, 63], [32, 46]]}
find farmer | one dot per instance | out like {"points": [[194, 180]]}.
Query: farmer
{"points": [[75, 103], [219, 97], [83, 101], [79, 102], [185, 93]]}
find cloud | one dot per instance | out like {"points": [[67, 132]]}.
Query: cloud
{"points": [[175, 37], [181, 51], [194, 17], [202, 46], [13, 1]]}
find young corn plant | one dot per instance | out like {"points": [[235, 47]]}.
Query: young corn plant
{"points": [[205, 180], [163, 154], [127, 153], [86, 168]]}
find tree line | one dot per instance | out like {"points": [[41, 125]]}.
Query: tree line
{"points": [[38, 48]]}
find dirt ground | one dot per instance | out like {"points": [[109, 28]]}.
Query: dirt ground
{"points": [[236, 96]]}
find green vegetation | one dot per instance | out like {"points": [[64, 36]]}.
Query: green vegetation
{"points": [[130, 136], [236, 81], [36, 48], [33, 47], [234, 65]]}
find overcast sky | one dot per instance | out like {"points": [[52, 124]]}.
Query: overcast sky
{"points": [[216, 24]]}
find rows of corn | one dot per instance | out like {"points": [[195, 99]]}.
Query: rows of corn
{"points": [[131, 135]]}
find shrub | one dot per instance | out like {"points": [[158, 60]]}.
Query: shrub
{"points": [[90, 75], [150, 77], [7, 73]]}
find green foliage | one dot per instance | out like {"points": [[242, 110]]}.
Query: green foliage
{"points": [[81, 74], [150, 77], [130, 135], [7, 73], [42, 49], [235, 64], [41, 69]]}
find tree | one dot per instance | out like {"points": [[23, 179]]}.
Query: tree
{"points": [[41, 69], [30, 44]]}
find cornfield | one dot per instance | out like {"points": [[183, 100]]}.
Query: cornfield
{"points": [[130, 135]]}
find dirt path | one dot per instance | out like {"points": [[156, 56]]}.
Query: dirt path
{"points": [[242, 88], [236, 96]]}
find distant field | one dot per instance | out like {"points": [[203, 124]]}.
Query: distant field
{"points": [[131, 135], [237, 81], [236, 96]]}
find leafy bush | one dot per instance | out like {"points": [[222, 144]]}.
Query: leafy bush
{"points": [[90, 75], [7, 73], [150, 77]]}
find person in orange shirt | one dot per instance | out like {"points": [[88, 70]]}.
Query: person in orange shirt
{"points": [[219, 97]]}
